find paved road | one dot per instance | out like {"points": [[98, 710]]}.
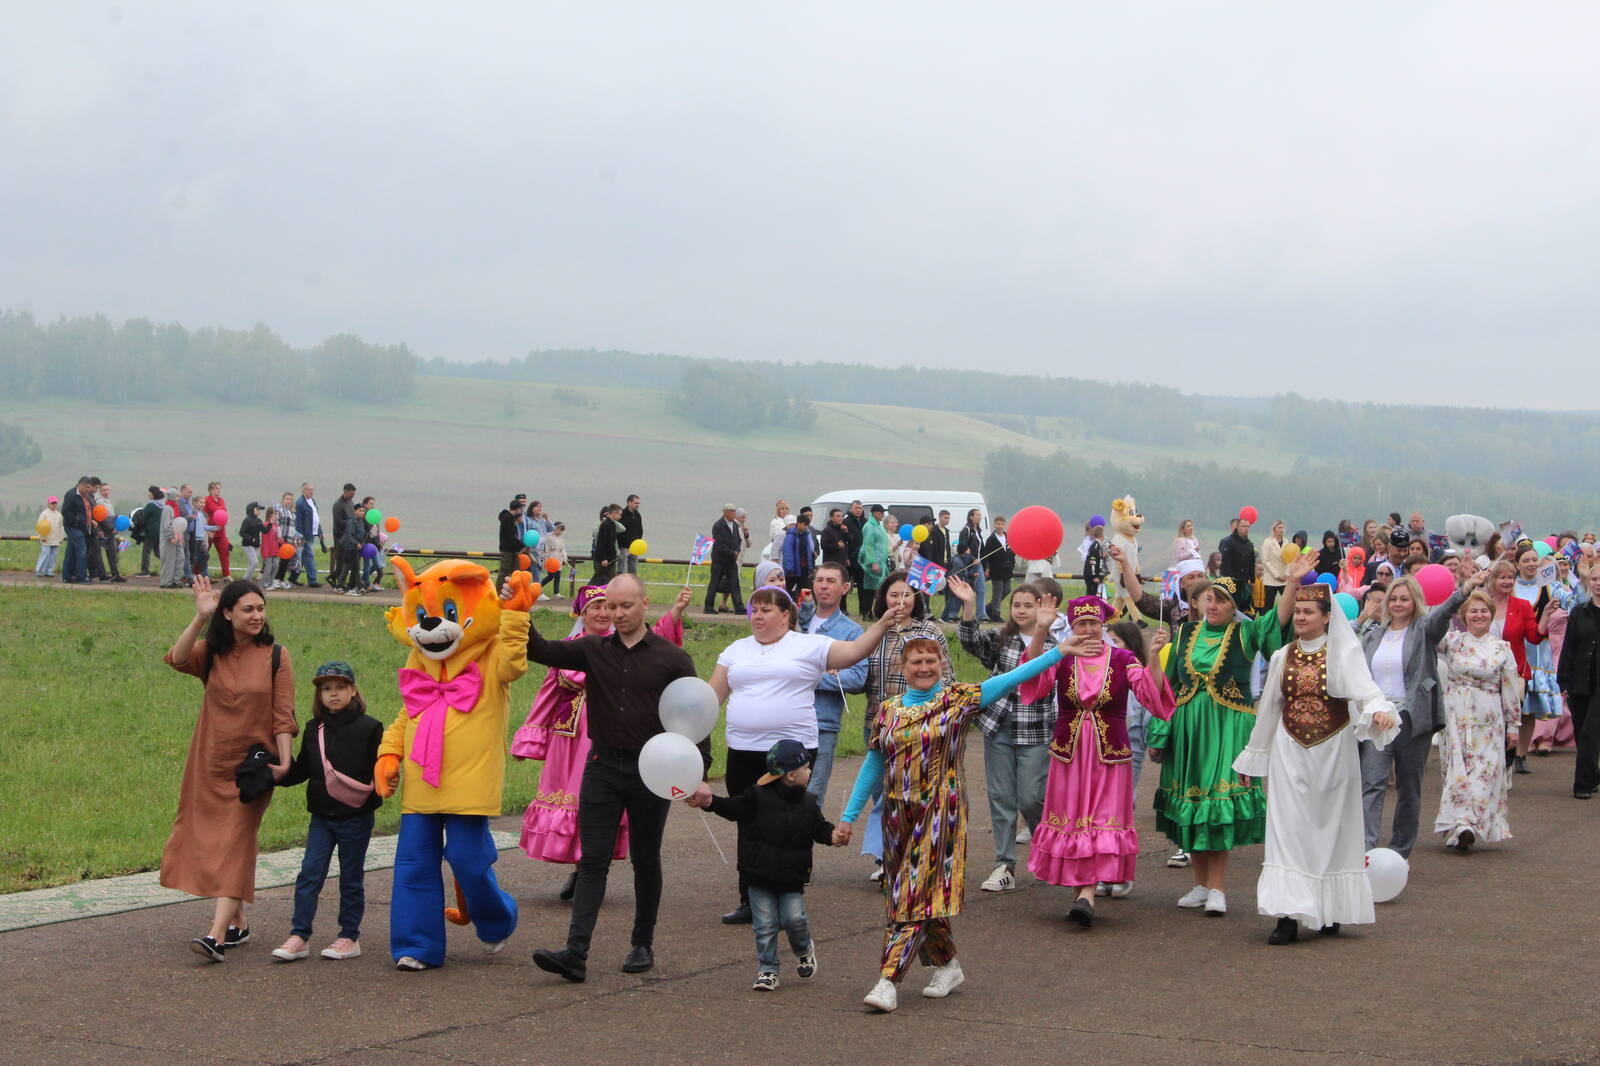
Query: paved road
{"points": [[1486, 958]]}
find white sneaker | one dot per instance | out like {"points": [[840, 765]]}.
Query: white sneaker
{"points": [[945, 980], [1178, 860], [1024, 835], [1102, 889], [291, 954], [406, 962], [496, 948], [1216, 903], [875, 876], [1194, 899], [883, 996], [1122, 890], [342, 949], [1002, 880]]}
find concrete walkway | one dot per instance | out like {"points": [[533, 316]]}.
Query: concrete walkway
{"points": [[1485, 958]]}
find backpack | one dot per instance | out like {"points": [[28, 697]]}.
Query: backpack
{"points": [[138, 523]]}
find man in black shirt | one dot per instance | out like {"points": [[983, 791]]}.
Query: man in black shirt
{"points": [[852, 524], [632, 530], [835, 540], [1239, 563], [626, 670]]}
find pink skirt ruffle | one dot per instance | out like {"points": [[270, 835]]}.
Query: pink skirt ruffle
{"points": [[1086, 834], [550, 824]]}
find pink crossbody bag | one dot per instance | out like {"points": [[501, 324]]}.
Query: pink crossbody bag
{"points": [[342, 787]]}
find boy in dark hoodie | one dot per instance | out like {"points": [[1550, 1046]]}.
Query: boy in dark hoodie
{"points": [[778, 824], [338, 750], [250, 531]]}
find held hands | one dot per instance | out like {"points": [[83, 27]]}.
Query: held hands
{"points": [[841, 834], [1383, 721], [386, 776], [1155, 754], [205, 598], [700, 797]]}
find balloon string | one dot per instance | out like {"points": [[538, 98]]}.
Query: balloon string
{"points": [[713, 836]]}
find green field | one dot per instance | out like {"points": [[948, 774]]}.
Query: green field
{"points": [[98, 725]]}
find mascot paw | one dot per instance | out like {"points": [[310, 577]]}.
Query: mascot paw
{"points": [[386, 776], [523, 592]]}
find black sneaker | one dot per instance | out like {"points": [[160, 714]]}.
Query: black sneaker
{"points": [[766, 981], [740, 915], [806, 967], [207, 946], [1286, 932], [235, 936], [566, 963], [1522, 765], [1082, 912], [1579, 795]]}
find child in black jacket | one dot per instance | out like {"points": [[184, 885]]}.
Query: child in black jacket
{"points": [[337, 753], [778, 824]]}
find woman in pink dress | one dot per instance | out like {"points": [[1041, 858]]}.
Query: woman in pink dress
{"points": [[1087, 833], [555, 732]]}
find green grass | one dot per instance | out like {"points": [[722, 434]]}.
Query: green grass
{"points": [[99, 726]]}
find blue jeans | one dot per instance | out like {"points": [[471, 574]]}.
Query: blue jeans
{"points": [[972, 574], [75, 568], [822, 768], [768, 911], [371, 571], [308, 561], [351, 835], [1138, 719], [46, 566]]}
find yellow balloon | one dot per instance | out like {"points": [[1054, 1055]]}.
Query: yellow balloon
{"points": [[919, 534], [1166, 653], [1290, 552], [638, 547], [43, 527]]}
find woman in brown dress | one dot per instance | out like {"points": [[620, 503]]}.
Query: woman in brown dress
{"points": [[249, 699]]}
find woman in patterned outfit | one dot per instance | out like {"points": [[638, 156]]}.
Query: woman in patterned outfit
{"points": [[1201, 804], [917, 746]]}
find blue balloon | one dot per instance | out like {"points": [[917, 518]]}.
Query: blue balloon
{"points": [[1330, 580], [369, 551], [1347, 603], [123, 522], [531, 538], [1308, 578], [1097, 520], [905, 531]]}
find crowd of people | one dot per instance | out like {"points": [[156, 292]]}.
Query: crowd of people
{"points": [[1334, 669]]}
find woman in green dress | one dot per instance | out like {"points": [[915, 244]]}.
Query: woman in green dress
{"points": [[1201, 804]]}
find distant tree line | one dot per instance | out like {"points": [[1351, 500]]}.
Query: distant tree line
{"points": [[737, 401], [95, 359], [1311, 498], [18, 451]]}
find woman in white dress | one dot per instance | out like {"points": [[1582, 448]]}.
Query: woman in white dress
{"points": [[1482, 705], [1321, 693]]}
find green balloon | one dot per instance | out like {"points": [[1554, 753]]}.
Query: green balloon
{"points": [[374, 516]]}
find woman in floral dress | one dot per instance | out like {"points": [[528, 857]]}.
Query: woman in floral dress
{"points": [[1482, 705]]}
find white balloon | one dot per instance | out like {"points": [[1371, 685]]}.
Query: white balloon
{"points": [[670, 765], [689, 707], [180, 526], [1387, 870]]}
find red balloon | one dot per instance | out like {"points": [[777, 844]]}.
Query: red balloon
{"points": [[1437, 584], [1035, 532], [1249, 514], [552, 566]]}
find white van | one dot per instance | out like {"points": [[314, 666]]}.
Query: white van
{"points": [[907, 505]]}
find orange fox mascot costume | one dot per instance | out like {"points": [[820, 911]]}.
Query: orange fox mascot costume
{"points": [[449, 743]]}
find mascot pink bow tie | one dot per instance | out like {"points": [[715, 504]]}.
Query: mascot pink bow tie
{"points": [[432, 700]]}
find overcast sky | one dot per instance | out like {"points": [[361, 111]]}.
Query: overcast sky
{"points": [[1347, 200]]}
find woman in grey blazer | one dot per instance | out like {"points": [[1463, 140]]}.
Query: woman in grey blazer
{"points": [[1401, 649]]}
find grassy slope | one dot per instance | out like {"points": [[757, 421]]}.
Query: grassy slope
{"points": [[98, 726]]}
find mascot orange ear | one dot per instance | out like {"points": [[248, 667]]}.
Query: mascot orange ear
{"points": [[408, 577], [469, 575]]}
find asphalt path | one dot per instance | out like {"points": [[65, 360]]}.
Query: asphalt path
{"points": [[1485, 958]]}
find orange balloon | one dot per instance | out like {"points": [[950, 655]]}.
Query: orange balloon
{"points": [[391, 523], [523, 562], [286, 551], [552, 566], [100, 512]]}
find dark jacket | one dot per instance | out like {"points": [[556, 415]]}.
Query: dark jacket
{"points": [[1239, 563], [799, 553], [344, 512], [353, 738], [250, 531], [304, 509], [632, 527], [778, 824], [74, 515], [146, 525], [1580, 654], [510, 536], [1095, 569], [605, 541], [999, 562], [836, 544], [936, 549], [726, 540], [254, 774], [852, 526]]}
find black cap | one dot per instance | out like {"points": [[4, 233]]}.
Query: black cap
{"points": [[786, 755], [335, 668], [877, 508], [1400, 538]]}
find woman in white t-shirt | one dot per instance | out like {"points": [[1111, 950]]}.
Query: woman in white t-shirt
{"points": [[769, 682]]}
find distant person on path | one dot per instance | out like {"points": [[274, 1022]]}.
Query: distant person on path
{"points": [[284, 516], [1000, 566], [75, 508], [1273, 567], [106, 530], [554, 546], [344, 510], [605, 548], [146, 530], [968, 550], [1096, 564], [337, 755], [854, 520], [250, 531], [173, 542], [727, 541], [510, 520], [835, 541], [776, 529], [92, 541], [625, 674], [1187, 546], [1239, 562], [308, 523], [213, 503], [874, 558], [799, 556], [50, 540], [632, 529], [535, 519], [246, 714], [349, 544]]}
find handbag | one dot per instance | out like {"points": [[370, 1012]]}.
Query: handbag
{"points": [[342, 787]]}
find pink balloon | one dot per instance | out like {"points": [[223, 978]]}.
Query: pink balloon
{"points": [[1437, 584], [219, 517], [1552, 542], [383, 538]]}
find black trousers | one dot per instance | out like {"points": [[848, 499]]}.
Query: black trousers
{"points": [[999, 589], [1586, 731], [1271, 596], [724, 578], [604, 571], [744, 769], [91, 547], [109, 546], [611, 786]]}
